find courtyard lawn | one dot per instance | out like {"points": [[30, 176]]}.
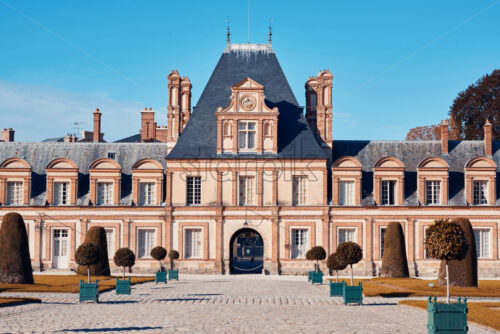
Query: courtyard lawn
{"points": [[10, 301], [486, 314], [67, 283]]}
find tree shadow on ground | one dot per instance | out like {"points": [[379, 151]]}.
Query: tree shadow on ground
{"points": [[181, 299], [381, 304], [115, 329], [205, 294], [396, 294], [120, 302]]}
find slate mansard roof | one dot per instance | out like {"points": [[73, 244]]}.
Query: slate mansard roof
{"points": [[259, 63], [412, 153]]}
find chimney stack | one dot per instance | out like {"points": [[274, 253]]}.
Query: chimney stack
{"points": [[8, 135], [444, 137], [97, 126], [488, 149], [148, 125]]}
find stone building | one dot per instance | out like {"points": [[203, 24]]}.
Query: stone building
{"points": [[248, 181]]}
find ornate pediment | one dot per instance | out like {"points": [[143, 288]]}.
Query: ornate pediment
{"points": [[247, 96]]}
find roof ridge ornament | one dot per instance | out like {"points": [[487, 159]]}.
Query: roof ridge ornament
{"points": [[270, 33], [228, 41]]}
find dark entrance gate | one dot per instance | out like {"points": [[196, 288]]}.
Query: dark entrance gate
{"points": [[246, 252]]}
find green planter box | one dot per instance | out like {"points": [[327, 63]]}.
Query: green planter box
{"points": [[123, 286], [89, 291], [173, 274], [447, 318], [309, 275], [317, 277], [336, 289], [353, 294], [161, 277]]}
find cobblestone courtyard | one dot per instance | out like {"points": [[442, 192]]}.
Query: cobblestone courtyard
{"points": [[216, 304]]}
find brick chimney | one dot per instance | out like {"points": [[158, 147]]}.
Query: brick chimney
{"points": [[488, 149], [185, 102], [444, 136], [148, 125], [7, 135], [97, 126]]}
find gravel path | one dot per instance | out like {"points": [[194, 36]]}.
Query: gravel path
{"points": [[215, 304]]}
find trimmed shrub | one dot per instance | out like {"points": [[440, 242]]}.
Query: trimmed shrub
{"points": [[124, 257], [158, 253], [173, 255], [15, 260], [97, 236], [444, 240], [394, 262], [335, 263], [87, 254], [462, 272], [316, 253], [350, 253]]}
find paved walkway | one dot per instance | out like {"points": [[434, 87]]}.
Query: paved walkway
{"points": [[215, 304]]}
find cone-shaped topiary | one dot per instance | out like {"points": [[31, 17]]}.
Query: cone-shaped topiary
{"points": [[316, 253], [158, 253], [445, 241], [15, 260], [173, 255], [124, 257], [462, 272], [87, 254], [335, 263], [350, 253], [97, 236], [394, 262]]}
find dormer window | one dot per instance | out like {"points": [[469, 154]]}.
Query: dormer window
{"points": [[388, 179], [432, 186], [246, 135], [15, 182], [62, 182], [480, 181]]}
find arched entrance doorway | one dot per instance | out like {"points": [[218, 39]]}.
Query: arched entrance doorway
{"points": [[246, 249]]}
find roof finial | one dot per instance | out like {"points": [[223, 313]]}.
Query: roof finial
{"points": [[228, 41], [270, 34]]}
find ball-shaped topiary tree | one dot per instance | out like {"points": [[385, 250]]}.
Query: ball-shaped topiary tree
{"points": [[97, 236], [350, 253], [124, 257], [445, 241], [463, 272], [173, 255], [87, 254], [394, 262], [316, 253], [335, 263], [15, 260], [158, 253]]}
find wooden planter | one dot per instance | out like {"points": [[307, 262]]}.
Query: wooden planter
{"points": [[89, 291], [336, 289], [317, 277], [161, 277], [447, 318], [173, 274], [353, 294], [123, 286], [309, 275]]}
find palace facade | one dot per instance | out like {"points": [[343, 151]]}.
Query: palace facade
{"points": [[247, 181]]}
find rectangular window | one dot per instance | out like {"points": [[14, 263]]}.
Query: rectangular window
{"points": [[247, 190], [61, 193], [433, 192], [382, 240], [346, 193], [300, 242], [482, 236], [104, 193], [299, 190], [146, 242], [147, 193], [480, 192], [346, 234], [110, 242], [193, 191], [60, 242], [192, 243], [15, 193], [388, 192], [246, 135]]}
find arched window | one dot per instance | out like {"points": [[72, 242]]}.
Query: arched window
{"points": [[346, 185], [432, 184], [388, 180], [147, 180], [62, 182], [227, 129], [105, 182], [15, 182], [480, 183], [267, 129]]}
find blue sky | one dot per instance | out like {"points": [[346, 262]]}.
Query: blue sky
{"points": [[396, 64]]}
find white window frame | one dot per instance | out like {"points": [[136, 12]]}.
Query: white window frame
{"points": [[433, 192], [152, 243], [299, 242], [191, 253], [347, 194], [354, 235], [105, 192], [480, 196], [246, 131], [246, 190], [110, 242], [483, 247], [386, 188], [147, 193], [61, 193], [14, 192], [193, 190], [61, 232], [300, 190]]}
